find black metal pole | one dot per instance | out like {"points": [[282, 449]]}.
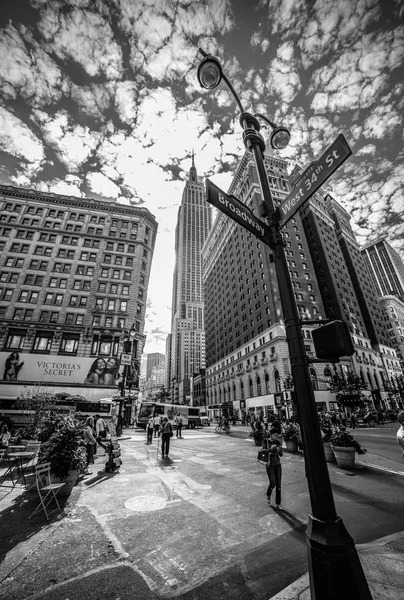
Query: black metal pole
{"points": [[334, 566]]}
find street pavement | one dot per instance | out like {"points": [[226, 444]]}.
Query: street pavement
{"points": [[78, 555]]}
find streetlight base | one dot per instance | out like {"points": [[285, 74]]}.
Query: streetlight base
{"points": [[118, 431], [334, 566]]}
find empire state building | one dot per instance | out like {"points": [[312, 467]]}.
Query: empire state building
{"points": [[188, 325]]}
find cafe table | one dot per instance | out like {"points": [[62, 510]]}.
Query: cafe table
{"points": [[16, 461]]}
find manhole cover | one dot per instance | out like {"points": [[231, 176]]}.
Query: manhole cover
{"points": [[145, 503], [396, 545]]}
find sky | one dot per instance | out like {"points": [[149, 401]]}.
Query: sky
{"points": [[100, 99]]}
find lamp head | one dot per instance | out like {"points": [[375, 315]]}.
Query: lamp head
{"points": [[209, 73], [280, 138]]}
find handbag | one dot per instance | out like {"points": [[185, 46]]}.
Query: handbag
{"points": [[263, 456]]}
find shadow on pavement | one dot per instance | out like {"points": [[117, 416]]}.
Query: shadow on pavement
{"points": [[16, 526]]}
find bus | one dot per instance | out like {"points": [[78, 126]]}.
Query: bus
{"points": [[18, 417], [190, 414]]}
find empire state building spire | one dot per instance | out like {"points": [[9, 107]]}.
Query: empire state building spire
{"points": [[192, 172]]}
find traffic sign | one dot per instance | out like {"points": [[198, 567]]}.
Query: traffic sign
{"points": [[236, 210], [126, 359], [313, 178]]}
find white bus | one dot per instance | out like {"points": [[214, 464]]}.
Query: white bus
{"points": [[190, 414]]}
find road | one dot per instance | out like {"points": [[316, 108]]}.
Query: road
{"points": [[197, 525]]}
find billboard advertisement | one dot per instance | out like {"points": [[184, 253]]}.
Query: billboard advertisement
{"points": [[68, 370]]}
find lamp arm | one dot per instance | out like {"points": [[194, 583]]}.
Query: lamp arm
{"points": [[231, 88], [264, 118]]}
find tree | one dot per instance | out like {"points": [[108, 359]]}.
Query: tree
{"points": [[36, 404]]}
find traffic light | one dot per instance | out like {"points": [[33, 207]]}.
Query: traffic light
{"points": [[332, 340]]}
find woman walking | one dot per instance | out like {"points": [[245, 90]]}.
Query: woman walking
{"points": [[274, 472], [89, 441], [166, 434]]}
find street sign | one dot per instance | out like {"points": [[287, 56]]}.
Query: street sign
{"points": [[236, 210], [313, 178], [126, 359]]}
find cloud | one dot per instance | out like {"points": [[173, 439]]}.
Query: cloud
{"points": [[102, 185], [82, 36], [18, 140], [74, 144], [26, 70]]}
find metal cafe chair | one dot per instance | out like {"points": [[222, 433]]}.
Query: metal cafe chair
{"points": [[5, 464], [46, 490]]}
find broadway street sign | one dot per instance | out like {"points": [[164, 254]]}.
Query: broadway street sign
{"points": [[236, 210], [313, 178]]}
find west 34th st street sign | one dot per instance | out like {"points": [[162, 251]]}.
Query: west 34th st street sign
{"points": [[313, 178], [236, 210]]}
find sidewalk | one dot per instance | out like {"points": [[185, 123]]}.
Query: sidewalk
{"points": [[383, 564], [37, 545], [382, 560]]}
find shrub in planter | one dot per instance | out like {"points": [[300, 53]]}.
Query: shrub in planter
{"points": [[291, 433], [343, 439], [62, 446]]}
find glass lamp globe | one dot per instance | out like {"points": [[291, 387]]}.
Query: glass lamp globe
{"points": [[209, 73], [280, 138]]}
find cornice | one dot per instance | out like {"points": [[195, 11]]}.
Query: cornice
{"points": [[10, 191]]}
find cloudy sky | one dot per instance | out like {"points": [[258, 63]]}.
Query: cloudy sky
{"points": [[99, 98]]}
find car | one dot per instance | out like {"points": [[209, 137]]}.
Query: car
{"points": [[204, 420]]}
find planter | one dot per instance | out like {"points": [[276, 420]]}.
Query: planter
{"points": [[345, 456], [328, 451], [69, 483], [291, 446]]}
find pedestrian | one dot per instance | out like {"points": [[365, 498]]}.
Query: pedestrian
{"points": [[4, 436], [178, 422], [274, 472], [157, 423], [100, 430], [400, 432], [354, 421], [149, 430], [166, 434], [90, 441], [266, 423]]}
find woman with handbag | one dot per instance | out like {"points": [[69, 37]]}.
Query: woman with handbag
{"points": [[274, 472], [166, 434], [100, 430]]}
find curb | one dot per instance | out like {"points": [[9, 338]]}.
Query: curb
{"points": [[300, 589]]}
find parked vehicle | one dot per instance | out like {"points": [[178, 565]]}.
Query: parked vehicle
{"points": [[190, 414]]}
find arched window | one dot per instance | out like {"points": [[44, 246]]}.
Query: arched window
{"points": [[241, 390], [234, 391], [251, 388], [224, 395], [278, 387], [313, 377], [267, 383], [328, 376], [259, 392]]}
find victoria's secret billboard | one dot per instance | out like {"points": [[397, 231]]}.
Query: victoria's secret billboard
{"points": [[15, 366]]}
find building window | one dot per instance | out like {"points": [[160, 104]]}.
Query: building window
{"points": [[70, 343], [79, 319], [15, 340], [69, 319], [43, 341]]}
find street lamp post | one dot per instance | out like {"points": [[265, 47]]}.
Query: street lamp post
{"points": [[334, 566], [127, 349]]}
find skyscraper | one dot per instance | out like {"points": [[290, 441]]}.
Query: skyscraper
{"points": [[153, 360], [386, 266], [74, 275], [188, 324], [247, 356]]}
